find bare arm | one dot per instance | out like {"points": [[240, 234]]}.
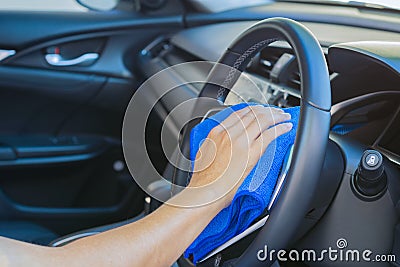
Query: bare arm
{"points": [[161, 237]]}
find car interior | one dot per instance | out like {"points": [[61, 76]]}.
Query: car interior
{"points": [[66, 83]]}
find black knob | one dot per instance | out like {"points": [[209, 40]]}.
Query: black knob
{"points": [[370, 178]]}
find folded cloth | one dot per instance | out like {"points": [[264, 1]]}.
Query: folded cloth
{"points": [[252, 197]]}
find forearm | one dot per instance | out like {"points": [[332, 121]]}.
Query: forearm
{"points": [[15, 253], [156, 240]]}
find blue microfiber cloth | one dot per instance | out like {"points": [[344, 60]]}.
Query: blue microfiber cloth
{"points": [[252, 197]]}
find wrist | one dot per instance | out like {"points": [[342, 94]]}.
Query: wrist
{"points": [[199, 197], [221, 190], [213, 193]]}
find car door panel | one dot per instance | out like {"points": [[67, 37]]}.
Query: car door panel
{"points": [[71, 195], [38, 101], [45, 26], [60, 150]]}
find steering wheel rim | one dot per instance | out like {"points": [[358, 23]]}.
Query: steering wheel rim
{"points": [[312, 133]]}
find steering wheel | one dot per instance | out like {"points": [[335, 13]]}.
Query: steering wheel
{"points": [[312, 134]]}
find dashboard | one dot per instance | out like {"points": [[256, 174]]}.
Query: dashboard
{"points": [[364, 68]]}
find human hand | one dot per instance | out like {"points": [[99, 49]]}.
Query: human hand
{"points": [[233, 148]]}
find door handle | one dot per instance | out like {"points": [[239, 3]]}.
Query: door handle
{"points": [[6, 53], [83, 60]]}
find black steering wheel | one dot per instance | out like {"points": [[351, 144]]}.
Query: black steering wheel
{"points": [[312, 134]]}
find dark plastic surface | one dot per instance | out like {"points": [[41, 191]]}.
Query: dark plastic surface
{"points": [[27, 232], [62, 192], [14, 34], [342, 109], [385, 54], [7, 153], [364, 224], [46, 146], [396, 245], [43, 99], [328, 184], [223, 34], [338, 15]]}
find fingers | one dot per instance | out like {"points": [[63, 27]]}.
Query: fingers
{"points": [[263, 121], [240, 120], [270, 134], [250, 123], [235, 117], [232, 119], [257, 111]]}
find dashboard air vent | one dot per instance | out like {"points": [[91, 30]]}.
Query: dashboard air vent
{"points": [[294, 80], [294, 77], [265, 61]]}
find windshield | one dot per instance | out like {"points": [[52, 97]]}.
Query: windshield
{"points": [[394, 4]]}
